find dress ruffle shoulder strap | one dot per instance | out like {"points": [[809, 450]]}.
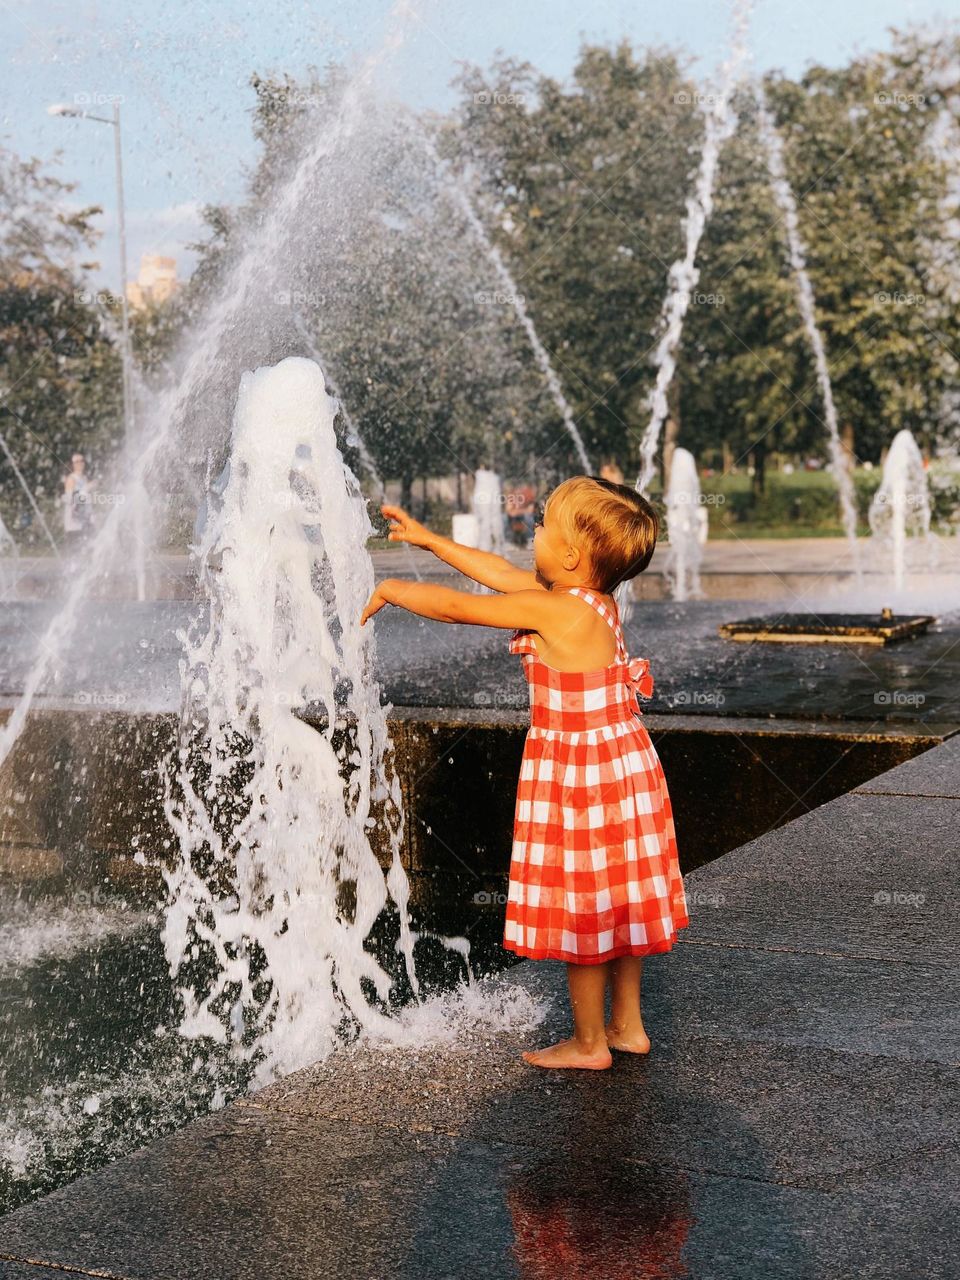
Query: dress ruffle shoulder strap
{"points": [[522, 642], [636, 670], [612, 617]]}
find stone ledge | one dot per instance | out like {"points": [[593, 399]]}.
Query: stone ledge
{"points": [[730, 779], [935, 773]]}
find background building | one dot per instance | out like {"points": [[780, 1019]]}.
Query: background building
{"points": [[155, 283]]}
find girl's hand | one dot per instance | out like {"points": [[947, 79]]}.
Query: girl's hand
{"points": [[405, 528], [374, 604]]}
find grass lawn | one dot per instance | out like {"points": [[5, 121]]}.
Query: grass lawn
{"points": [[803, 504]]}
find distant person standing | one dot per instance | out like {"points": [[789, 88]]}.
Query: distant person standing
{"points": [[521, 504], [77, 515], [611, 471]]}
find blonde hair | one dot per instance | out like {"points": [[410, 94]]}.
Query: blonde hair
{"points": [[612, 523]]}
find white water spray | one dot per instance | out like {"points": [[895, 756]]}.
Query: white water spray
{"points": [[901, 506], [8, 561], [783, 194], [276, 882], [353, 437], [686, 526], [720, 121], [512, 293], [7, 545], [488, 509]]}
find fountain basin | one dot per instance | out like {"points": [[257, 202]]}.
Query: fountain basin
{"points": [[829, 628], [126, 658], [100, 819]]}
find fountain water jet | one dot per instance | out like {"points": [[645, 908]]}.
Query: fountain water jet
{"points": [[488, 509], [686, 526], [719, 123], [901, 506], [8, 550], [353, 436], [276, 883], [354, 439], [7, 545], [783, 194], [167, 410], [463, 202]]}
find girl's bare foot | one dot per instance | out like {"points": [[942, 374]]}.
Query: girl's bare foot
{"points": [[627, 1039], [568, 1053]]}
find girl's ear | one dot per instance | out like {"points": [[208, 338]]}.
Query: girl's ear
{"points": [[571, 558]]}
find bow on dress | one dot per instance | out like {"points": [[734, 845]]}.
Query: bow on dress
{"points": [[638, 675]]}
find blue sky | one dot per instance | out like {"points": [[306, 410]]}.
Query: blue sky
{"points": [[182, 72]]}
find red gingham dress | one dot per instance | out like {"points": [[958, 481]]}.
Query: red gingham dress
{"points": [[594, 872]]}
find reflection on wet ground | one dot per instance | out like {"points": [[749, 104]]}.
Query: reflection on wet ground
{"points": [[627, 1220]]}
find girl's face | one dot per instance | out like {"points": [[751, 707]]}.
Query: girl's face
{"points": [[551, 551]]}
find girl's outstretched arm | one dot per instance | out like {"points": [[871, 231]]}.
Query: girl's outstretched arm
{"points": [[526, 610], [482, 566]]}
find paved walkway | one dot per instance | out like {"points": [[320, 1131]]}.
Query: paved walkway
{"points": [[797, 1117]]}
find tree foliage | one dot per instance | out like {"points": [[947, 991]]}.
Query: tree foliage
{"points": [[582, 188], [59, 368]]}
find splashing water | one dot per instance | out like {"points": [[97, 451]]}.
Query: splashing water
{"points": [[783, 194], [686, 526], [102, 1115], [720, 121], [136, 495], [901, 506], [32, 930], [277, 885], [455, 189], [353, 436], [354, 439]]}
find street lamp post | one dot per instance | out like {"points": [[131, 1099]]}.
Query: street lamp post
{"points": [[125, 356]]}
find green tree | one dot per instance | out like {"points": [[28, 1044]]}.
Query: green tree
{"points": [[583, 187], [745, 373], [585, 190], [872, 200]]}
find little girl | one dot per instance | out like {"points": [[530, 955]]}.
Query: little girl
{"points": [[594, 876]]}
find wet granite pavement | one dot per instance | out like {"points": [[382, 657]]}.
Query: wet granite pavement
{"points": [[797, 1117]]}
